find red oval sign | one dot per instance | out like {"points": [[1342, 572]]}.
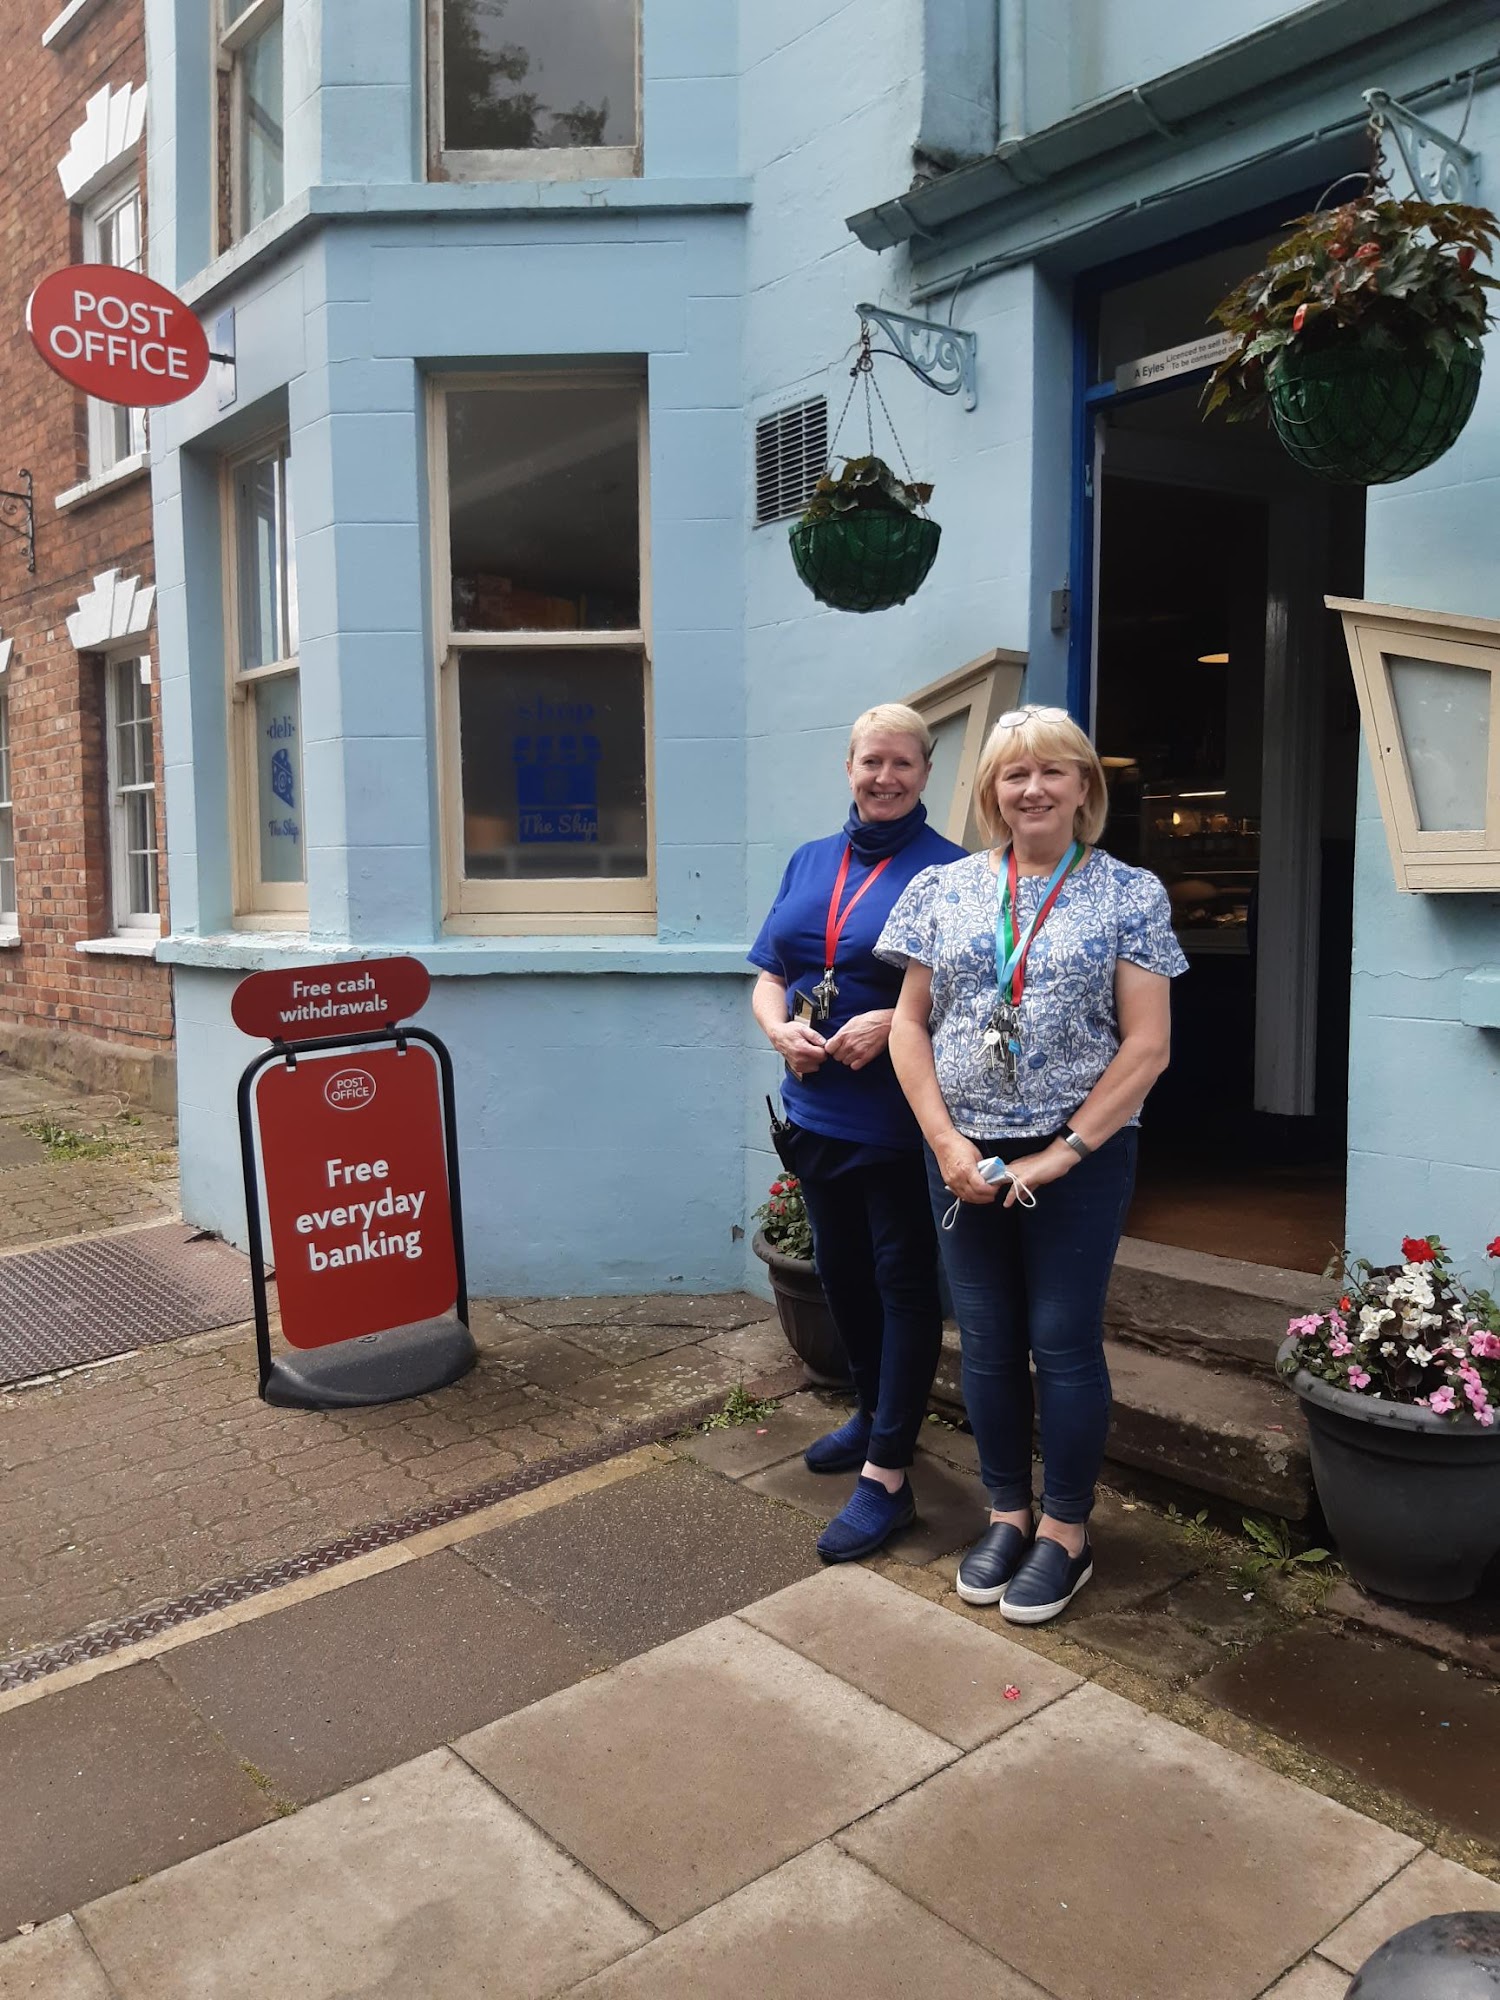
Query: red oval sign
{"points": [[312, 1002], [117, 334]]}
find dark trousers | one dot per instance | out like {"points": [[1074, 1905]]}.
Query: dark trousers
{"points": [[1028, 1286], [876, 1252]]}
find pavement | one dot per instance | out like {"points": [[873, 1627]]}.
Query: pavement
{"points": [[623, 1735]]}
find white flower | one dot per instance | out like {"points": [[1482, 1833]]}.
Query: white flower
{"points": [[1371, 1319], [1419, 1355], [1387, 1346]]}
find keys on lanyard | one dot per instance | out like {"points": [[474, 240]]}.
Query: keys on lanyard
{"points": [[826, 991], [1002, 1037], [823, 995]]}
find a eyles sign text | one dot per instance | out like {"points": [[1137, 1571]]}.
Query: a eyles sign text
{"points": [[117, 334]]}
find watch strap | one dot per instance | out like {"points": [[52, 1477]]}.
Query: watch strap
{"points": [[1080, 1146]]}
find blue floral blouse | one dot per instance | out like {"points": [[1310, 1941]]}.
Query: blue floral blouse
{"points": [[1070, 1033]]}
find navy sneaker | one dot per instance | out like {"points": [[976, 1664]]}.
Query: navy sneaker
{"points": [[843, 1450], [992, 1562], [1046, 1582], [870, 1518]]}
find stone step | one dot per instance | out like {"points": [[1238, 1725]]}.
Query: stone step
{"points": [[1217, 1431], [1217, 1310]]}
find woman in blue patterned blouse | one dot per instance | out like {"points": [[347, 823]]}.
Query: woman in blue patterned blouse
{"points": [[1033, 1019]]}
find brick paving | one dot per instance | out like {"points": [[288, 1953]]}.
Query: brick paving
{"points": [[46, 1194]]}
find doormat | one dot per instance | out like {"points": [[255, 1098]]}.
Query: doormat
{"points": [[104, 1295]]}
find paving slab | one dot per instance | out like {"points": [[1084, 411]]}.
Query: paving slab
{"points": [[938, 1669], [684, 1375], [1429, 1887], [747, 1753], [421, 1884], [820, 1924], [1467, 1632], [1108, 1854], [739, 1449], [53, 1963], [1398, 1718], [1136, 1555], [371, 1675], [946, 1441], [713, 1313], [649, 1558], [1149, 1641], [756, 1350], [1313, 1979], [118, 1777], [951, 1505]]}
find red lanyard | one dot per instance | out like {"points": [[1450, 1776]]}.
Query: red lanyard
{"points": [[834, 929], [1008, 914]]}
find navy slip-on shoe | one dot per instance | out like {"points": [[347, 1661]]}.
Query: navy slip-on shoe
{"points": [[869, 1518], [992, 1562], [843, 1450], [1047, 1582]]}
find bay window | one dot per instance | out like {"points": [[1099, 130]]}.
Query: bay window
{"points": [[539, 543]]}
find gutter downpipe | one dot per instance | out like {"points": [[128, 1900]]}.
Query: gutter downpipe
{"points": [[1010, 85]]}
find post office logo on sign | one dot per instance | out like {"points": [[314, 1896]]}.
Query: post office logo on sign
{"points": [[350, 1090], [118, 334]]}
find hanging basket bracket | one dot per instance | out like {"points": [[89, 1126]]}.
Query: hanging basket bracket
{"points": [[944, 357], [1440, 168]]}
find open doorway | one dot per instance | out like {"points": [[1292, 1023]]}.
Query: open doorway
{"points": [[1226, 720]]}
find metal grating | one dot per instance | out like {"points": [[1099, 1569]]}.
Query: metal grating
{"points": [[791, 453], [103, 1295]]}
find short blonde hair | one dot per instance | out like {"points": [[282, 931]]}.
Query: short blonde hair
{"points": [[1039, 732], [891, 718]]}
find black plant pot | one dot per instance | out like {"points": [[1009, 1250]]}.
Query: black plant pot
{"points": [[1412, 1499], [1442, 1958], [804, 1315]]}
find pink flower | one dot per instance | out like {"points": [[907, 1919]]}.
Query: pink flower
{"points": [[1443, 1400], [1304, 1329], [1485, 1345], [1358, 1379], [1340, 1345]]}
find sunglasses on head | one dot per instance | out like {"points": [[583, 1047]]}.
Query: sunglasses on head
{"points": [[1033, 712]]}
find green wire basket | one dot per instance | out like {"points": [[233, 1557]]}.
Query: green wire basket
{"points": [[867, 560], [1363, 419]]}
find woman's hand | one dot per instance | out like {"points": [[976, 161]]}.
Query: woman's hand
{"points": [[861, 1039], [1035, 1170], [958, 1158], [800, 1047]]}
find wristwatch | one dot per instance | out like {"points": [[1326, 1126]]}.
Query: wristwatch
{"points": [[1080, 1146]]}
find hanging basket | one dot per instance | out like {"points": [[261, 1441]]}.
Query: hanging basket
{"points": [[1363, 419], [867, 560]]}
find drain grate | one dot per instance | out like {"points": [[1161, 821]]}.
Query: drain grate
{"points": [[103, 1295]]}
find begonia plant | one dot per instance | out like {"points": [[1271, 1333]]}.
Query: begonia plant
{"points": [[783, 1218]]}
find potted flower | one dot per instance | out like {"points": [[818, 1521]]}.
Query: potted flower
{"points": [[1363, 336], [864, 541], [784, 1245], [1400, 1384]]}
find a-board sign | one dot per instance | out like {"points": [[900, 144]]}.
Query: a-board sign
{"points": [[312, 1001], [118, 334], [353, 1153]]}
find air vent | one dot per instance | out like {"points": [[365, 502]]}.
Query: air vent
{"points": [[791, 451]]}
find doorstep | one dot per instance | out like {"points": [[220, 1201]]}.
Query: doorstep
{"points": [[1219, 1310]]}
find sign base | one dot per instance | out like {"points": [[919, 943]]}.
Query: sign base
{"points": [[377, 1368]]}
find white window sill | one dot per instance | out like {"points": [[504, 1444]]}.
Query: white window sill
{"points": [[138, 463], [139, 944], [10, 940], [69, 21]]}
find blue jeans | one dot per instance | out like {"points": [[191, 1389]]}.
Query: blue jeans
{"points": [[875, 1250], [1028, 1285]]}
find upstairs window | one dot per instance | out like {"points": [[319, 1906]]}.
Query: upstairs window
{"points": [[132, 796], [252, 134], [535, 89], [112, 235]]}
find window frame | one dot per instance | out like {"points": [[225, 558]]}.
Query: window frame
{"points": [[258, 904], [124, 921], [97, 210], [526, 163], [234, 37], [980, 692], [10, 919], [546, 905]]}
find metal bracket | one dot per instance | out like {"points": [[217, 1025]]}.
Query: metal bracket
{"points": [[944, 357], [1440, 168], [22, 503]]}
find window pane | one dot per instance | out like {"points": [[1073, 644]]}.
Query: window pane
{"points": [[1444, 713], [260, 530], [278, 766], [140, 853], [7, 837], [116, 239], [4, 751], [524, 73], [554, 764], [262, 138], [544, 510]]}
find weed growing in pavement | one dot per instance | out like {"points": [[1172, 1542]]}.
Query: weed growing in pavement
{"points": [[740, 1407], [1274, 1554], [1196, 1529], [63, 1143]]}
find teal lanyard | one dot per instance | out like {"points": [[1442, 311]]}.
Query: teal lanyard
{"points": [[1010, 959]]}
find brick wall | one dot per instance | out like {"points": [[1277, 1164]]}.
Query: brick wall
{"points": [[56, 695]]}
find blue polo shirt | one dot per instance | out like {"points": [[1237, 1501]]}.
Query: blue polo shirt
{"points": [[864, 1105]]}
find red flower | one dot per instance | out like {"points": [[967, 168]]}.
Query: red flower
{"points": [[1297, 318], [1344, 1305], [1466, 257], [1493, 1249], [1337, 250], [1417, 1250], [778, 1187], [1368, 253]]}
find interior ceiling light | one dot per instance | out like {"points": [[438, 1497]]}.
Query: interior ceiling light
{"points": [[1213, 659]]}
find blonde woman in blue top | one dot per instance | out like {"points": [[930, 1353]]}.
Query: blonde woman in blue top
{"points": [[1033, 1019]]}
